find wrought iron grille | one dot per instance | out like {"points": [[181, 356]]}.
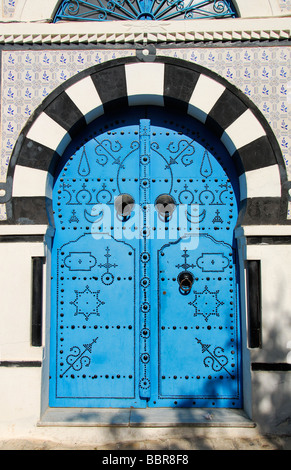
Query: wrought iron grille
{"points": [[108, 10]]}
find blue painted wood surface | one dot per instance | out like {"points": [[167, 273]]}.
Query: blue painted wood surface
{"points": [[124, 332]]}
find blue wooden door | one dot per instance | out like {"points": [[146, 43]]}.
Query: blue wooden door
{"points": [[145, 307]]}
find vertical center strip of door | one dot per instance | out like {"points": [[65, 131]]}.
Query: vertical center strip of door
{"points": [[145, 260]]}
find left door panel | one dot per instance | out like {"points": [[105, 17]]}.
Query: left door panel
{"points": [[95, 335]]}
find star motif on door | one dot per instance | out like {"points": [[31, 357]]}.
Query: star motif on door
{"points": [[87, 303], [206, 303]]}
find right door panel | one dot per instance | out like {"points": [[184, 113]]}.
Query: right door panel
{"points": [[197, 335]]}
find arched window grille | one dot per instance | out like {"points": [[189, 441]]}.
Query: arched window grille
{"points": [[108, 10]]}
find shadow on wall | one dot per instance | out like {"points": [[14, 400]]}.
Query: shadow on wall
{"points": [[271, 389]]}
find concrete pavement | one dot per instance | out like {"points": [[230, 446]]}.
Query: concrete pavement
{"points": [[180, 439]]}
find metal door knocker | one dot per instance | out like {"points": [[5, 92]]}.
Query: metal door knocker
{"points": [[185, 280]]}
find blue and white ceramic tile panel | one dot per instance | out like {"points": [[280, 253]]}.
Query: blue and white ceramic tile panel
{"points": [[29, 76], [263, 74]]}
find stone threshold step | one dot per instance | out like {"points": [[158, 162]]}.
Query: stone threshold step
{"points": [[148, 417]]}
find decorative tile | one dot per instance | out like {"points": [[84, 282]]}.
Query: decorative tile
{"points": [[8, 8], [285, 5], [29, 76], [262, 74]]}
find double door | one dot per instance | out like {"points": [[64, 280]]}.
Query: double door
{"points": [[144, 290]]}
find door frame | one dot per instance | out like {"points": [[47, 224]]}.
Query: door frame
{"points": [[154, 81]]}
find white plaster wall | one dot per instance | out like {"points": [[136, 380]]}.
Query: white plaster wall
{"points": [[271, 401], [19, 401], [268, 393], [276, 302], [31, 10], [257, 8], [15, 313]]}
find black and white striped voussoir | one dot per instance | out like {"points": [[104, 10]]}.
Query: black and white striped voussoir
{"points": [[162, 82]]}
